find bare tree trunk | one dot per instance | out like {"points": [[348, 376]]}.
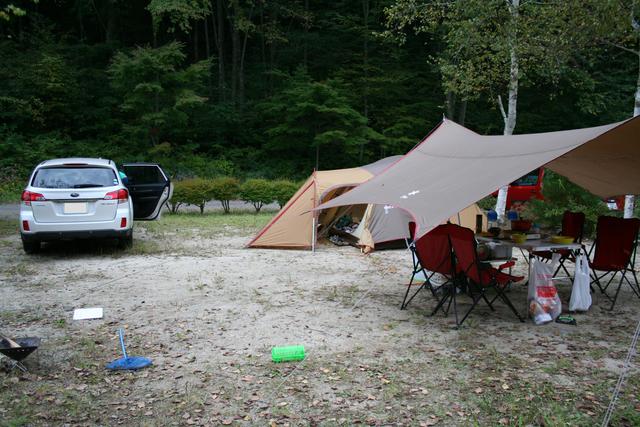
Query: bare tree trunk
{"points": [[241, 68], [365, 65], [111, 22], [235, 56], [196, 55], [510, 116], [629, 200], [219, 39], [462, 112], [208, 54], [450, 103], [306, 32]]}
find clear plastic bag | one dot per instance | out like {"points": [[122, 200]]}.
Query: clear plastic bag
{"points": [[581, 291], [544, 302]]}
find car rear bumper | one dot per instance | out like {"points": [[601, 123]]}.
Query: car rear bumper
{"points": [[45, 231], [45, 236]]}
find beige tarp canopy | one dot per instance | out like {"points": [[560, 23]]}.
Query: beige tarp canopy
{"points": [[293, 227], [454, 167]]}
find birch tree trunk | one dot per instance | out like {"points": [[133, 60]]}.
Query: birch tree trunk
{"points": [[510, 115], [629, 200]]}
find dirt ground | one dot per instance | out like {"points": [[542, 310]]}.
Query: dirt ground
{"points": [[207, 312]]}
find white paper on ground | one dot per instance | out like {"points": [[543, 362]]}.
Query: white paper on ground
{"points": [[87, 313]]}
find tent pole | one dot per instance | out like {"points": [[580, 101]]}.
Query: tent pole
{"points": [[313, 233], [314, 223]]}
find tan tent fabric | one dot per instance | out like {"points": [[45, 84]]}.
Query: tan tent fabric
{"points": [[454, 167], [292, 227], [384, 223], [607, 165]]}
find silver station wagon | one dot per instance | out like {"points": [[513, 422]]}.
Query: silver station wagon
{"points": [[83, 198]]}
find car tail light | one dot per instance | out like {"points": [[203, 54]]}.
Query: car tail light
{"points": [[123, 222], [120, 195], [28, 197], [25, 225]]}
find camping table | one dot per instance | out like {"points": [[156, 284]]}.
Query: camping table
{"points": [[532, 246]]}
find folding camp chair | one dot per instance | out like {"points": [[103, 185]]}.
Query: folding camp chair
{"points": [[431, 255], [481, 276], [572, 226], [615, 247]]}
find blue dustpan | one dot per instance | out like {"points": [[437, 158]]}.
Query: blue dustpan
{"points": [[128, 362]]}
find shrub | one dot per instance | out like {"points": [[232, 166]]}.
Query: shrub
{"points": [[225, 189], [283, 190], [195, 191], [178, 198], [10, 191], [258, 192], [561, 195]]}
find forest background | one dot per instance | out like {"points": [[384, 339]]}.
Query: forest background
{"points": [[275, 88]]}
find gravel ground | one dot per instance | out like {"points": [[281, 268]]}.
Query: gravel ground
{"points": [[207, 312]]}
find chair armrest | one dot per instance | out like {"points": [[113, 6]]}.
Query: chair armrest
{"points": [[507, 264]]}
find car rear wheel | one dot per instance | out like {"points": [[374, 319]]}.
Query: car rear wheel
{"points": [[126, 242], [31, 247]]}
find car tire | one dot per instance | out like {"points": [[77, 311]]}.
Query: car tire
{"points": [[126, 242], [31, 247]]}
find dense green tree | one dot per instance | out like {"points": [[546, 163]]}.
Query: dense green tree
{"points": [[159, 95], [309, 117]]}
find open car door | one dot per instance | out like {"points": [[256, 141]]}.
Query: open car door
{"points": [[149, 187]]}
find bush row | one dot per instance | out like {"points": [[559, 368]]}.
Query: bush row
{"points": [[258, 192]]}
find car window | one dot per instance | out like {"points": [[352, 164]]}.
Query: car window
{"points": [[529, 179], [74, 177], [144, 175]]}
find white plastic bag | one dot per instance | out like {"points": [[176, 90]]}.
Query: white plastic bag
{"points": [[581, 291], [544, 302]]}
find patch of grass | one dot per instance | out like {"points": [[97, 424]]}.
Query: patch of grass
{"points": [[19, 412], [209, 222], [9, 227], [20, 270], [141, 247]]}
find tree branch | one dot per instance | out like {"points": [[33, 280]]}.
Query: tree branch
{"points": [[619, 46]]}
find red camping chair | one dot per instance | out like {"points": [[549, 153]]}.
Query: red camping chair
{"points": [[615, 248], [431, 255], [481, 276], [572, 226]]}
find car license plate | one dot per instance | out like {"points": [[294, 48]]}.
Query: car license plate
{"points": [[75, 208]]}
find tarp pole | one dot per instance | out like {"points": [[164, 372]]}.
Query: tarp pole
{"points": [[314, 223], [313, 233]]}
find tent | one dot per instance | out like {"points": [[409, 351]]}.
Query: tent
{"points": [[296, 226], [458, 166]]}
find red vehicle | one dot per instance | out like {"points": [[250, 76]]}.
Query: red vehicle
{"points": [[524, 188], [615, 203]]}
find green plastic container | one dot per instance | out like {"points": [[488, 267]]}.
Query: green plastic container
{"points": [[288, 353]]}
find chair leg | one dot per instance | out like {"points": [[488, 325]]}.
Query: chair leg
{"points": [[446, 295], [507, 301], [613, 303], [404, 301], [475, 302], [489, 303], [635, 286], [596, 279]]}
